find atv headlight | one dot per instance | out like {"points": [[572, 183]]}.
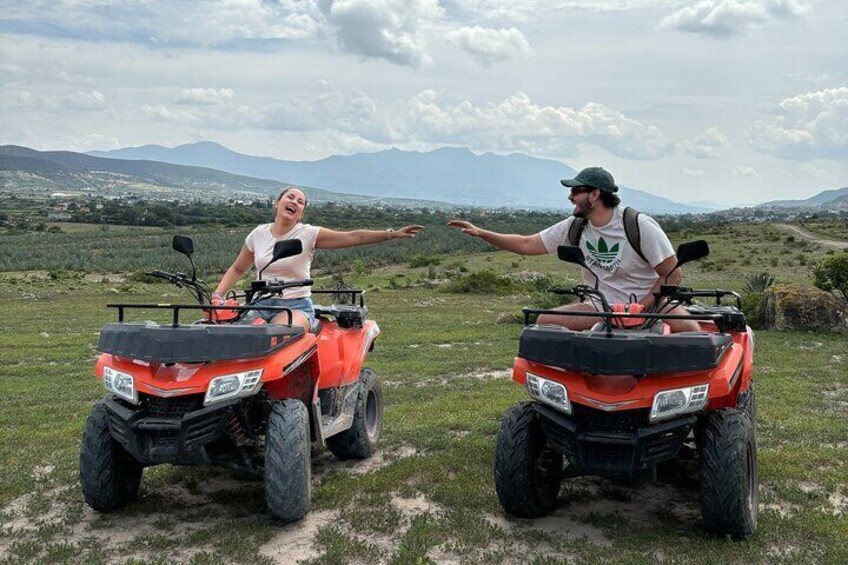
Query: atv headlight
{"points": [[668, 403], [549, 392], [120, 384], [232, 386]]}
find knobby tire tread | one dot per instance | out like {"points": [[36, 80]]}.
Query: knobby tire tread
{"points": [[519, 444], [288, 466], [353, 443]]}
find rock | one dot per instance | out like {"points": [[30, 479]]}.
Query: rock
{"points": [[510, 318], [800, 307], [525, 276]]}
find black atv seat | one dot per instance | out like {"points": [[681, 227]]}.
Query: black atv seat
{"points": [[147, 341], [624, 352]]}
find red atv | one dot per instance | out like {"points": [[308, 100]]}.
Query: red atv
{"points": [[253, 397], [627, 395]]}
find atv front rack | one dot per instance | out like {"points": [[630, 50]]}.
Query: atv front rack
{"points": [[176, 308]]}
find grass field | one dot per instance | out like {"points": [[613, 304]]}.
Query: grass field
{"points": [[428, 494]]}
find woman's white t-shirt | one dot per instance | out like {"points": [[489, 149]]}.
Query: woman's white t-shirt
{"points": [[261, 243], [610, 256]]}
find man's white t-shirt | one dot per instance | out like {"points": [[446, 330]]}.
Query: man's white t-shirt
{"points": [[608, 253], [261, 243]]}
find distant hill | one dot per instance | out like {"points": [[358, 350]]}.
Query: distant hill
{"points": [[448, 174], [836, 198], [28, 170]]}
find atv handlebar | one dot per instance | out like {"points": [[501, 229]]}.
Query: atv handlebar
{"points": [[582, 291], [684, 294], [197, 286]]}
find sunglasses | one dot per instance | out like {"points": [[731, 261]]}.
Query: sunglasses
{"points": [[575, 190]]}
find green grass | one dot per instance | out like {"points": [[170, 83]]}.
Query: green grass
{"points": [[428, 496]]}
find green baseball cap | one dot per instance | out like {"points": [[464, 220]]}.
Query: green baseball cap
{"points": [[596, 177]]}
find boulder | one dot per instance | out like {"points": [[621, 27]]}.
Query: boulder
{"points": [[800, 307]]}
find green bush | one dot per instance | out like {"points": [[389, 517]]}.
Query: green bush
{"points": [[832, 274], [482, 282], [757, 283], [750, 303], [424, 261], [142, 277]]}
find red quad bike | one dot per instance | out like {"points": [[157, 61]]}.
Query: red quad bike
{"points": [[619, 399], [253, 397]]}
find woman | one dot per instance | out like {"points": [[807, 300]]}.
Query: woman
{"points": [[259, 246]]}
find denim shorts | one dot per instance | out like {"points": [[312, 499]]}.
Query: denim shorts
{"points": [[303, 305]]}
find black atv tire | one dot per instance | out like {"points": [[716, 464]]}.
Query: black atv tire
{"points": [[109, 476], [288, 463], [527, 474], [728, 470], [360, 440], [747, 403]]}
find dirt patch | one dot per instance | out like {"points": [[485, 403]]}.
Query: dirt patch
{"points": [[295, 542], [490, 375], [838, 503], [326, 463]]}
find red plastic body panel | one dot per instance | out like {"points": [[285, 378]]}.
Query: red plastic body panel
{"points": [[732, 376], [335, 358]]}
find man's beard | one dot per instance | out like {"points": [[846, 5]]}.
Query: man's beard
{"points": [[580, 211]]}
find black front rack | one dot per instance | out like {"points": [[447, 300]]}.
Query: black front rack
{"points": [[718, 319], [178, 307]]}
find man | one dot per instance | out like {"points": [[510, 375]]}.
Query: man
{"points": [[623, 270]]}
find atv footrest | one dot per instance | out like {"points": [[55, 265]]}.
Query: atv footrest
{"points": [[154, 440], [612, 444]]}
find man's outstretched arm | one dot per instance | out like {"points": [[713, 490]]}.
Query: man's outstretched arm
{"points": [[521, 244]]}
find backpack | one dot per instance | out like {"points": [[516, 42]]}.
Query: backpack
{"points": [[631, 229]]}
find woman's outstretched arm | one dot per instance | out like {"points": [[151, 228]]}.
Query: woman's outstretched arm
{"points": [[331, 239]]}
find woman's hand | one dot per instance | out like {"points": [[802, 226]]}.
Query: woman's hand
{"points": [[406, 231], [466, 227]]}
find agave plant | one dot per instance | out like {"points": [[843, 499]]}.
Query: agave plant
{"points": [[758, 282]]}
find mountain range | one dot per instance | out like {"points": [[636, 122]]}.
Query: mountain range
{"points": [[27, 170], [453, 175], [836, 198]]}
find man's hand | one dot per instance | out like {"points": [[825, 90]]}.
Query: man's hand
{"points": [[466, 227]]}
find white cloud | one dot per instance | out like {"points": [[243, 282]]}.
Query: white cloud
{"points": [[488, 46], [693, 172], [747, 172], [810, 125], [86, 101], [727, 18], [708, 145], [384, 29], [206, 96], [519, 124], [163, 113]]}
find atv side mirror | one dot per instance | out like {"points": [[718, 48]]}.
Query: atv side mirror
{"points": [[692, 251], [183, 244], [287, 248], [283, 249], [573, 254], [688, 252]]}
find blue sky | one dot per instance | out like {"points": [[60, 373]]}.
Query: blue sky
{"points": [[734, 101]]}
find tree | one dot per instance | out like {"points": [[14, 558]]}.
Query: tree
{"points": [[832, 274]]}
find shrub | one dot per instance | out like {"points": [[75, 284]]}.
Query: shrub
{"points": [[832, 274], [758, 283], [424, 261], [482, 282], [750, 303], [142, 277]]}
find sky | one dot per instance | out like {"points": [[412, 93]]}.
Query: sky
{"points": [[730, 101]]}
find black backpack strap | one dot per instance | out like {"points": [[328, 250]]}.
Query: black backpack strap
{"points": [[631, 228], [575, 230]]}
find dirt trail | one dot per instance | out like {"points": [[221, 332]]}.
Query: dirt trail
{"points": [[795, 230]]}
